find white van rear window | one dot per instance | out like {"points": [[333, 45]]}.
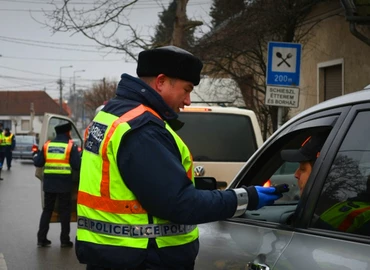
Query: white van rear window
{"points": [[218, 136]]}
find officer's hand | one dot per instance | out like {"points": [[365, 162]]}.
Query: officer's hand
{"points": [[267, 196], [261, 196]]}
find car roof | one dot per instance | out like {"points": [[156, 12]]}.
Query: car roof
{"points": [[347, 99]]}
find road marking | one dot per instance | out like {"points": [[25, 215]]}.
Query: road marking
{"points": [[2, 262]]}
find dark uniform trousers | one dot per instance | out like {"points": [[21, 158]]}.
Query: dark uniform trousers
{"points": [[64, 208]]}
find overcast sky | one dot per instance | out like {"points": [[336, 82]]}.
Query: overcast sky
{"points": [[32, 56]]}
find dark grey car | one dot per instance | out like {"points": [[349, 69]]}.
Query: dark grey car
{"points": [[287, 235], [24, 146]]}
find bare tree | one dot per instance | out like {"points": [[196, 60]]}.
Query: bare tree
{"points": [[237, 48], [99, 93], [103, 21]]}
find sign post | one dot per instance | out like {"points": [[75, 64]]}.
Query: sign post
{"points": [[283, 75]]}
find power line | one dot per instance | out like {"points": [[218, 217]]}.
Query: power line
{"points": [[26, 71], [48, 42], [58, 48], [65, 60]]}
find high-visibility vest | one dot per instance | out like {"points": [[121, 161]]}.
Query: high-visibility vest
{"points": [[2, 139], [57, 155], [8, 139], [108, 212], [347, 216]]}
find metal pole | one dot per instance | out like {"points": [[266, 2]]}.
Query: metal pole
{"points": [[280, 117], [61, 88]]}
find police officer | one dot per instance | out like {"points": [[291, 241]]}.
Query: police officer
{"points": [[58, 157], [2, 148], [9, 139], [137, 204]]}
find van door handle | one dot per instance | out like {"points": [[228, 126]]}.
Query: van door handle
{"points": [[257, 266]]}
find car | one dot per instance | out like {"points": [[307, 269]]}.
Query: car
{"points": [[25, 145], [286, 235]]}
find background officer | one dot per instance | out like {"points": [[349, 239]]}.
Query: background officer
{"points": [[9, 139], [2, 148], [58, 157]]}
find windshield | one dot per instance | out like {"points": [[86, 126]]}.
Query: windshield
{"points": [[25, 139], [218, 136]]}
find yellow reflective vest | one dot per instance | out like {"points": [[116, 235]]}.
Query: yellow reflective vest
{"points": [[57, 156], [347, 216], [2, 139], [8, 139], [108, 212]]}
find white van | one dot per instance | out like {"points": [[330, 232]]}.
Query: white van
{"points": [[221, 139]]}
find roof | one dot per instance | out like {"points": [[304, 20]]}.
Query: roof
{"points": [[347, 99], [19, 103]]}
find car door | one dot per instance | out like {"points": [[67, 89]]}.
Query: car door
{"points": [[258, 239], [343, 179], [48, 133]]}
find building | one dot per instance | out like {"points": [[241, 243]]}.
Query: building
{"points": [[334, 61], [22, 111]]}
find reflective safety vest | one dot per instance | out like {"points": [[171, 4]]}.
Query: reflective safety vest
{"points": [[108, 212], [8, 139], [2, 139], [57, 155], [347, 216]]}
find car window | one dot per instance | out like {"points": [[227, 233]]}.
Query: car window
{"points": [[269, 167], [344, 203], [25, 139], [232, 139]]}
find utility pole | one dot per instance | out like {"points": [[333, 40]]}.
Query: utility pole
{"points": [[61, 88]]}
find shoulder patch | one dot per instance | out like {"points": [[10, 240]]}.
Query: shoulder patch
{"points": [[95, 137]]}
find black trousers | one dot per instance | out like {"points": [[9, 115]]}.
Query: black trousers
{"points": [[64, 208], [2, 157], [9, 157]]}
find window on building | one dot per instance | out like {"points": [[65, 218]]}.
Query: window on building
{"points": [[25, 125], [332, 82], [330, 79]]}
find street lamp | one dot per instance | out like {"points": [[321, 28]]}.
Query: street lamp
{"points": [[74, 79], [61, 87]]}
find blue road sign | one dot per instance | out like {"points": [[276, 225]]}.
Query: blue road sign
{"points": [[283, 63]]}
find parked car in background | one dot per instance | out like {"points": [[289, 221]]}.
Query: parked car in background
{"points": [[25, 145]]}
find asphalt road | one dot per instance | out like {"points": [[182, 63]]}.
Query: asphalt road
{"points": [[20, 210]]}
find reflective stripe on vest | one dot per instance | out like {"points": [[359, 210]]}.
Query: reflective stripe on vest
{"points": [[347, 216], [8, 139], [137, 231], [57, 155], [103, 195]]}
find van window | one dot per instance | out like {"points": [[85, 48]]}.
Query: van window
{"points": [[218, 136]]}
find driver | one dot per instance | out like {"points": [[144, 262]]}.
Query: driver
{"points": [[306, 155]]}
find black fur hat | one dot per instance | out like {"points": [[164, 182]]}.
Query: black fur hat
{"points": [[63, 128], [172, 61]]}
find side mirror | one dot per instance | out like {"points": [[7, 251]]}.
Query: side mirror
{"points": [[207, 183]]}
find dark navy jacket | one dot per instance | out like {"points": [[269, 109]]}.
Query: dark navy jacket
{"points": [[59, 183], [150, 164]]}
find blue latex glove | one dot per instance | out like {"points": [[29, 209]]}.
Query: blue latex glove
{"points": [[266, 196], [261, 196]]}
